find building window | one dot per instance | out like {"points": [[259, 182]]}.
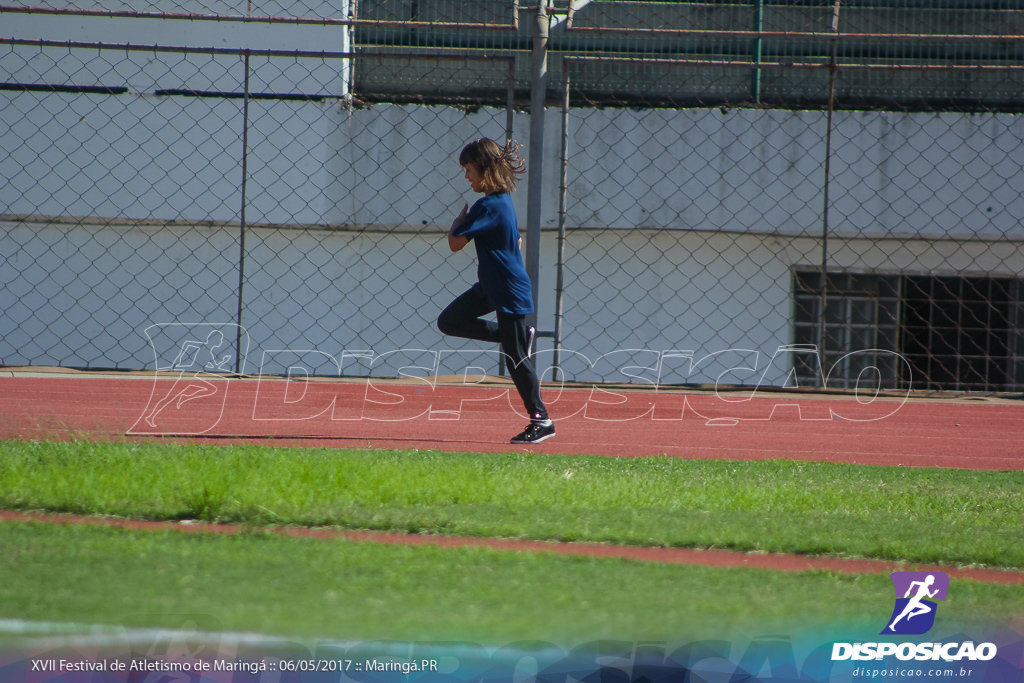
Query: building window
{"points": [[953, 332]]}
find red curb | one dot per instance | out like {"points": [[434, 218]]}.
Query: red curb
{"points": [[707, 558]]}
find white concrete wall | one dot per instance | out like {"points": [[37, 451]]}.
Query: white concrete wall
{"points": [[85, 295], [762, 171], [174, 158]]}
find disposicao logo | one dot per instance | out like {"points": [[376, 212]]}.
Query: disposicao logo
{"points": [[916, 592], [914, 614]]}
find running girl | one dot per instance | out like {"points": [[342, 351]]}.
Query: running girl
{"points": [[504, 287]]}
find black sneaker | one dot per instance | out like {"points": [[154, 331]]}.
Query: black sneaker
{"points": [[535, 432]]}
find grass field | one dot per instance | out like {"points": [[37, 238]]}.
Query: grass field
{"points": [[290, 586]]}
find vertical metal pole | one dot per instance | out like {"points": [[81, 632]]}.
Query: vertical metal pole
{"points": [[510, 106], [538, 96], [241, 220], [822, 327], [758, 41], [563, 191], [347, 70], [510, 99]]}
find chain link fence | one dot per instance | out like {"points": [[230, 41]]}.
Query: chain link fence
{"points": [[744, 193], [831, 199]]}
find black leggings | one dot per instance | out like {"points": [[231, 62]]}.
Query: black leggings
{"points": [[463, 318]]}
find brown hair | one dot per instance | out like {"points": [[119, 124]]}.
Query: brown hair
{"points": [[498, 166]]}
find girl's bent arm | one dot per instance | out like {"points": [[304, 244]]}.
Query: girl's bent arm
{"points": [[457, 243]]}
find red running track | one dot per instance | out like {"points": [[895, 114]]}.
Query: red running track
{"points": [[983, 434]]}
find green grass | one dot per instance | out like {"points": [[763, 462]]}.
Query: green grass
{"points": [[951, 517], [299, 587], [306, 588]]}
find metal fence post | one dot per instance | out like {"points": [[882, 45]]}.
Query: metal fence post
{"points": [[563, 191], [538, 96], [241, 218], [822, 323], [757, 48]]}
